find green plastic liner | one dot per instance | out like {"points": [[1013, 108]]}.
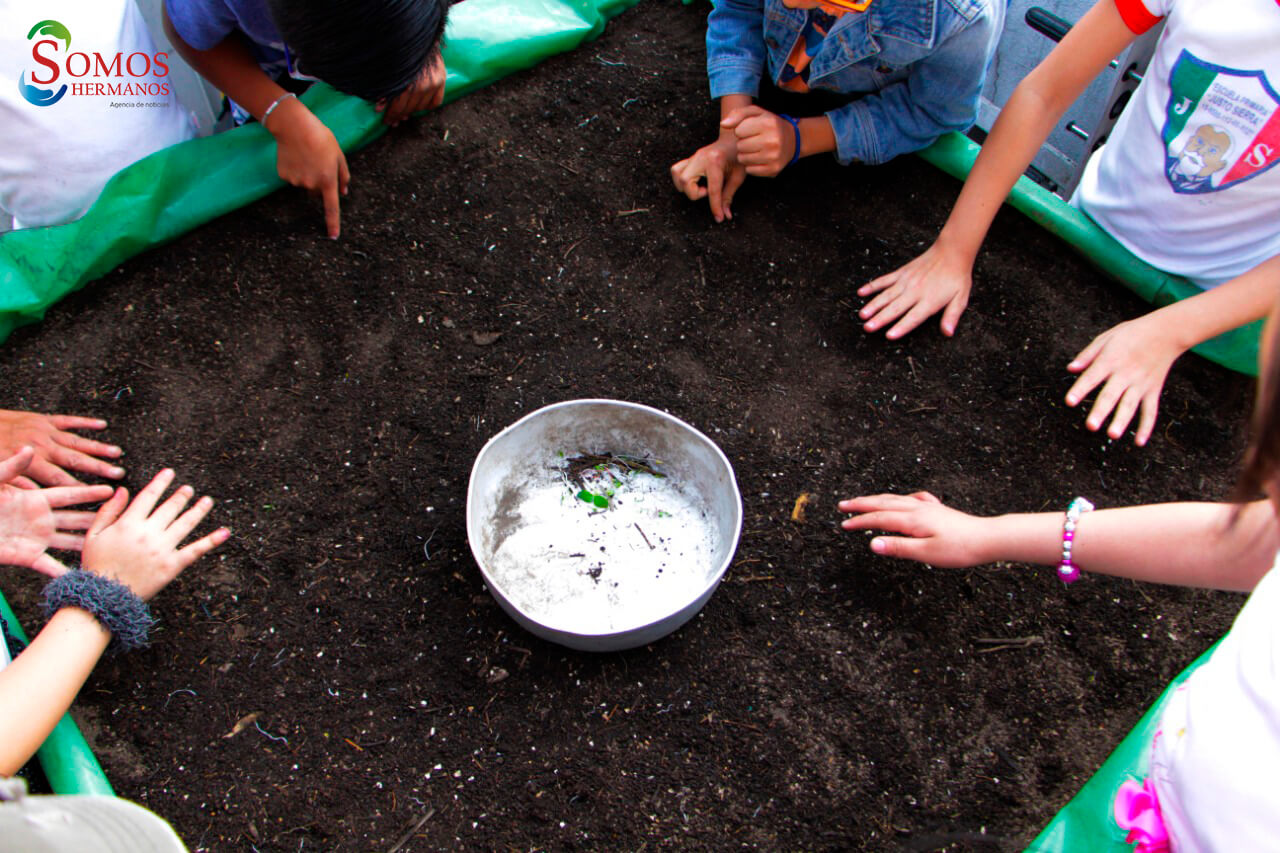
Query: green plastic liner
{"points": [[1087, 823], [176, 189], [1236, 349], [68, 762]]}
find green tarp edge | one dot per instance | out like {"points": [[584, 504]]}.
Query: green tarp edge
{"points": [[176, 189], [68, 762], [1237, 349], [1087, 822]]}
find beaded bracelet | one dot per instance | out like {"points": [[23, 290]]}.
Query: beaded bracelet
{"points": [[126, 616], [1068, 571], [795, 128]]}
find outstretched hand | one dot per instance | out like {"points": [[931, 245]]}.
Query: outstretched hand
{"points": [[935, 281], [33, 521], [308, 155], [931, 532], [426, 93], [1131, 362], [137, 544], [718, 164], [56, 450]]}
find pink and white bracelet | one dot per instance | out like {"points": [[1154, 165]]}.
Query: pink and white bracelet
{"points": [[1068, 571]]}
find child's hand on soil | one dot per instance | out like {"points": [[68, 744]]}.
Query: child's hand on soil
{"points": [[57, 450], [766, 142], [426, 93], [308, 155], [931, 532], [32, 519], [137, 544], [938, 280], [718, 164], [1130, 361]]}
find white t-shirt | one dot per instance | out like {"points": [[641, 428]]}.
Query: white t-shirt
{"points": [[1187, 179], [1216, 757], [116, 104]]}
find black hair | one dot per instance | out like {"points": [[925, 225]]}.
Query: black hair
{"points": [[373, 49]]}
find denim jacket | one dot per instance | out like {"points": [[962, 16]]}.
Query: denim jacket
{"points": [[919, 65]]}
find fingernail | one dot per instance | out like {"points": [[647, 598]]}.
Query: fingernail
{"points": [[117, 472], [877, 545], [1072, 400]]}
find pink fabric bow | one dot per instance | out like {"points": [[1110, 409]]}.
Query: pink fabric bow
{"points": [[1138, 811]]}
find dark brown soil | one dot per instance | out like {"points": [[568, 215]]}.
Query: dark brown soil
{"points": [[333, 396]]}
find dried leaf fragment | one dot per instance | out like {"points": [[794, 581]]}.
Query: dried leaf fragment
{"points": [[797, 511], [243, 723]]}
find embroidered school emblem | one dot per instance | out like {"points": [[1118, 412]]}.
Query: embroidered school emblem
{"points": [[1222, 126]]}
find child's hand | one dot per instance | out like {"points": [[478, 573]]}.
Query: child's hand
{"points": [[55, 449], [309, 156], [426, 93], [935, 534], [138, 545], [718, 164], [938, 280], [1130, 361], [766, 142], [29, 522]]}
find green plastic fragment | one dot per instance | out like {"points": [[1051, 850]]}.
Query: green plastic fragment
{"points": [[586, 496], [601, 501]]}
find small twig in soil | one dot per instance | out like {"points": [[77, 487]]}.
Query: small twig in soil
{"points": [[632, 212], [753, 578], [404, 839], [569, 250], [702, 273], [997, 644], [642, 536], [911, 362]]}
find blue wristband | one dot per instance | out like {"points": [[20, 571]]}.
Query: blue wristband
{"points": [[795, 127]]}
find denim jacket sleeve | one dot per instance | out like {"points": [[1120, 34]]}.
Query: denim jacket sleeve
{"points": [[940, 93], [735, 47]]}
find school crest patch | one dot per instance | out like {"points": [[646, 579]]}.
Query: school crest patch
{"points": [[1222, 126]]}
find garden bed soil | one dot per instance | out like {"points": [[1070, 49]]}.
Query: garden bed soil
{"points": [[524, 246]]}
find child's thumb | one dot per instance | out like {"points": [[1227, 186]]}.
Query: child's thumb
{"points": [[735, 117]]}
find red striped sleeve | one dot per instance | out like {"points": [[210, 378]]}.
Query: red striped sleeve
{"points": [[1136, 16]]}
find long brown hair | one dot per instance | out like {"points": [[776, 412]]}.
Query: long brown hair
{"points": [[1262, 459]]}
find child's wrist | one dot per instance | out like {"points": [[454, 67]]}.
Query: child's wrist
{"points": [[115, 606]]}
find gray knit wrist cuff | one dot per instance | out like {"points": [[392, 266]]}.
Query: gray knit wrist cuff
{"points": [[126, 616]]}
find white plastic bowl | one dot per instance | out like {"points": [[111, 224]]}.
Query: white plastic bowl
{"points": [[502, 524]]}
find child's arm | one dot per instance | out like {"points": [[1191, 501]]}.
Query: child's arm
{"points": [[136, 546], [32, 520], [939, 95], [307, 153], [940, 279], [717, 163], [735, 64], [1187, 544], [57, 450], [1130, 361]]}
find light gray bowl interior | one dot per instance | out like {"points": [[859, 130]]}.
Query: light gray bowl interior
{"points": [[520, 455]]}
